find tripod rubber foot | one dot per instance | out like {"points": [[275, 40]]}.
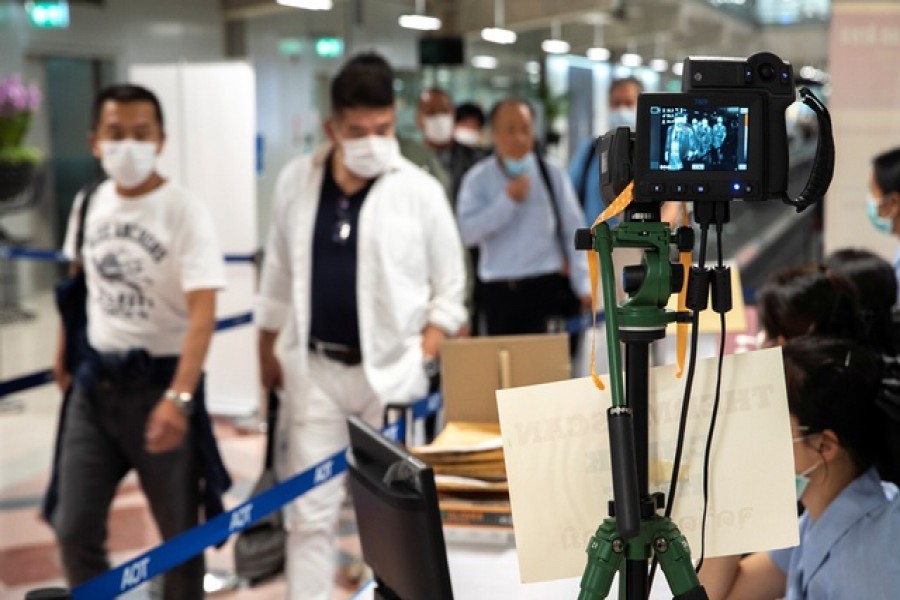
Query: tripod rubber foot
{"points": [[698, 593]]}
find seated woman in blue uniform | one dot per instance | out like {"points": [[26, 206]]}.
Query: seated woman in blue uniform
{"points": [[849, 531]]}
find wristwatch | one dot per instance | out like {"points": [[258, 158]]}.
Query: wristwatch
{"points": [[183, 400], [431, 366]]}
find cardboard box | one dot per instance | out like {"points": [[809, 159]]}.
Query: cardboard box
{"points": [[473, 369]]}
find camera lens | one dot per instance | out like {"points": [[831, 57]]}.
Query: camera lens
{"points": [[766, 71]]}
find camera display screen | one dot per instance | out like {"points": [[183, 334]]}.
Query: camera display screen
{"points": [[698, 139]]}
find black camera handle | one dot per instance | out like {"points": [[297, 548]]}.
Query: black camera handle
{"points": [[823, 164]]}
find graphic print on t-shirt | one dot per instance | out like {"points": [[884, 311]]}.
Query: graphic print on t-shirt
{"points": [[121, 254]]}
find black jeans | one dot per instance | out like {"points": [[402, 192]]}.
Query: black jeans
{"points": [[103, 440]]}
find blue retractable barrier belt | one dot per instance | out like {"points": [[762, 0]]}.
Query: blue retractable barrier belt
{"points": [[19, 253], [17, 384], [193, 541], [39, 378]]}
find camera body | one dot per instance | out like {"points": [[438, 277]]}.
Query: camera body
{"points": [[723, 138]]}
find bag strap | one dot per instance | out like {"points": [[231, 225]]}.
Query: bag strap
{"points": [[545, 175], [88, 190], [271, 426]]}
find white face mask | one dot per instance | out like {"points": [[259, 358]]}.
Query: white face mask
{"points": [[438, 129], [623, 117], [466, 136], [129, 163], [370, 156]]}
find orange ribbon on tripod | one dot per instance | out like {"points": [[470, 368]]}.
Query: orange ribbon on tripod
{"points": [[615, 208]]}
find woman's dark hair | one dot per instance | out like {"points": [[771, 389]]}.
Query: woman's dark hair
{"points": [[469, 110], [886, 170], [125, 92], [807, 300], [365, 81], [876, 289], [834, 384]]}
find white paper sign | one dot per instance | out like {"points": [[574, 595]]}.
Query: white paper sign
{"points": [[558, 462]]}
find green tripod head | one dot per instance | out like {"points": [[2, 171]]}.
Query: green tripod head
{"points": [[648, 285]]}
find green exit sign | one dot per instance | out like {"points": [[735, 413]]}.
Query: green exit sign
{"points": [[329, 47], [48, 14]]}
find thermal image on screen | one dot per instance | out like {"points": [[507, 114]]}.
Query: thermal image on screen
{"points": [[698, 139]]}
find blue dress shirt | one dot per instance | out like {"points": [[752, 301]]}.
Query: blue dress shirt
{"points": [[520, 239], [851, 550], [589, 181]]}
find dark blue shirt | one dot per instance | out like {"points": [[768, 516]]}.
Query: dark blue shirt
{"points": [[334, 316]]}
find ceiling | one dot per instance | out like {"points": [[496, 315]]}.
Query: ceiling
{"points": [[670, 29]]}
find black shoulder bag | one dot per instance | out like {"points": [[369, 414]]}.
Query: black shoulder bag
{"points": [[567, 304], [259, 549], [71, 294], [71, 303]]}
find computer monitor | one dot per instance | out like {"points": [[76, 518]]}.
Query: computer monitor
{"points": [[397, 517]]}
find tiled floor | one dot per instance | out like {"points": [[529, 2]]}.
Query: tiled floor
{"points": [[28, 554]]}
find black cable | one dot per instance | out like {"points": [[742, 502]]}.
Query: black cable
{"points": [[715, 410], [685, 402], [689, 381]]}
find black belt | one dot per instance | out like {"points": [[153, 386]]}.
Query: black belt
{"points": [[523, 283], [336, 352]]}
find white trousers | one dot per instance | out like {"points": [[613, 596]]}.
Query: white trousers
{"points": [[312, 427]]}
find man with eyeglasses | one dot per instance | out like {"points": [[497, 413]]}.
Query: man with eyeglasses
{"points": [[363, 278]]}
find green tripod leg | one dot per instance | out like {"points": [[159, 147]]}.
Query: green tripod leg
{"points": [[659, 536], [605, 553], [671, 548]]}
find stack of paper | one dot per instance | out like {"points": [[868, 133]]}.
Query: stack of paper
{"points": [[466, 456], [470, 474]]}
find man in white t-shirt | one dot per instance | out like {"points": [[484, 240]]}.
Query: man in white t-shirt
{"points": [[152, 266]]}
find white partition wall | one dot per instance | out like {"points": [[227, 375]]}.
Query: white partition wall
{"points": [[865, 83], [210, 121]]}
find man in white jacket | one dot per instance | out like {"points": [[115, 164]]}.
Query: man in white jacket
{"points": [[363, 278]]}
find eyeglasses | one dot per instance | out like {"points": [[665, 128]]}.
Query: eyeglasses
{"points": [[342, 226], [804, 432]]}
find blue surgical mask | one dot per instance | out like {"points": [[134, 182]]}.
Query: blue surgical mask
{"points": [[514, 167], [623, 117], [801, 480], [882, 224]]}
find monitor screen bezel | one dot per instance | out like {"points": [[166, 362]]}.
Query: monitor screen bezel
{"points": [[385, 477], [720, 182]]}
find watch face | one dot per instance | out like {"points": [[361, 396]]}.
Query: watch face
{"points": [[431, 367], [183, 400]]}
